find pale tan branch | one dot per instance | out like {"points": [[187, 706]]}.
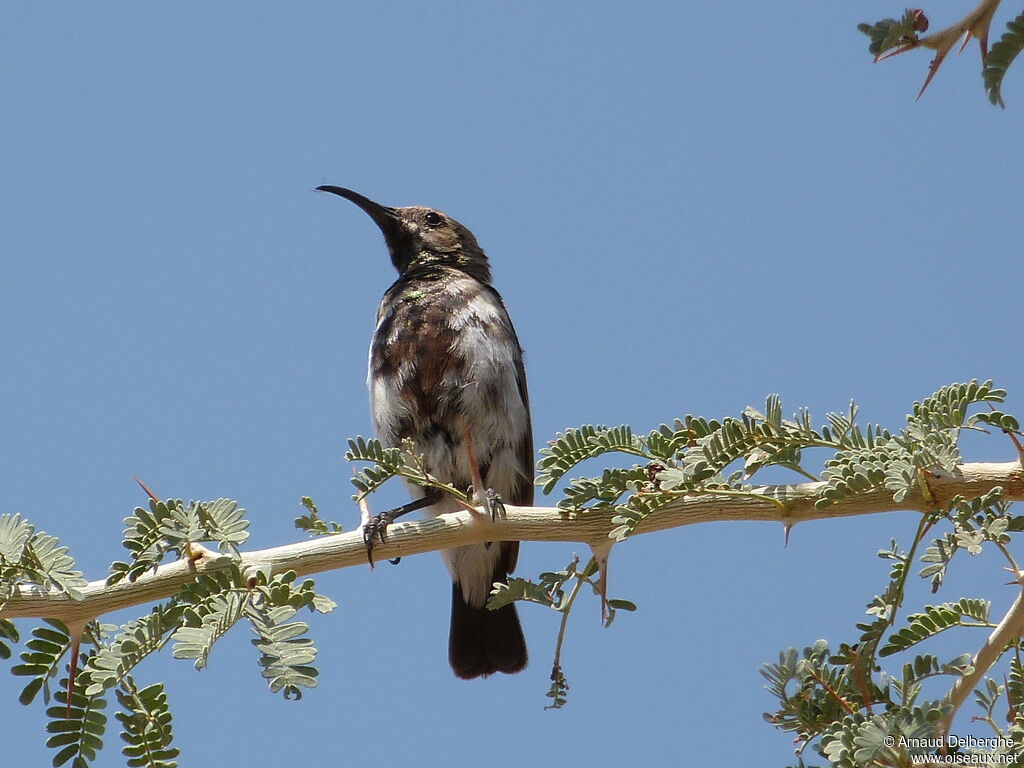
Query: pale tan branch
{"points": [[1010, 628], [522, 524]]}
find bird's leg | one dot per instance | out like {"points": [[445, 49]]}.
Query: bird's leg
{"points": [[487, 497], [364, 520], [375, 528]]}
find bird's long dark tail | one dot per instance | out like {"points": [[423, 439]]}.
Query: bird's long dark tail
{"points": [[481, 642]]}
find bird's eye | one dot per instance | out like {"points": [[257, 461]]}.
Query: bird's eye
{"points": [[432, 219]]}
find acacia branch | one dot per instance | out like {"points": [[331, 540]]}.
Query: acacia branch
{"points": [[521, 524], [1010, 628]]}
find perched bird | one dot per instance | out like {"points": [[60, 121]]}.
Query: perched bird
{"points": [[446, 370]]}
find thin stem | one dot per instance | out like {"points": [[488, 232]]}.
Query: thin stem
{"points": [[858, 674], [922, 527], [565, 609], [834, 694], [1009, 558], [991, 722], [801, 471]]}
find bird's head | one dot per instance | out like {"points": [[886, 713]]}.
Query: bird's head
{"points": [[419, 237]]}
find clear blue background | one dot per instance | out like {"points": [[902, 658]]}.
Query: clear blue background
{"points": [[687, 206]]}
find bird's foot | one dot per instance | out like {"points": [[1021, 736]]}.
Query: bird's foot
{"points": [[494, 504], [490, 500], [374, 530]]}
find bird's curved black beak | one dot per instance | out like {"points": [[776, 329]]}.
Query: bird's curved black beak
{"points": [[386, 218]]}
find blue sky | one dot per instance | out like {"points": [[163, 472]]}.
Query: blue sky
{"points": [[686, 206]]}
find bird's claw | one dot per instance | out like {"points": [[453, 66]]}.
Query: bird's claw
{"points": [[494, 505], [491, 501], [375, 529]]}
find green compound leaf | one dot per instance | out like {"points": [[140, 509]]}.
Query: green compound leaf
{"points": [[629, 515], [935, 619], [518, 589], [41, 660], [711, 454], [574, 446], [761, 439], [286, 656], [988, 696], [7, 632], [216, 602], [1015, 687], [880, 459], [891, 33], [15, 533], [810, 689], [606, 489], [111, 664], [938, 554], [926, 666], [667, 442], [77, 730], [998, 420], [844, 432], [170, 526], [312, 522], [387, 463], [619, 439], [1001, 57], [46, 563], [857, 470], [947, 408], [223, 521], [559, 690], [143, 538], [146, 726], [219, 613]]}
